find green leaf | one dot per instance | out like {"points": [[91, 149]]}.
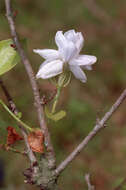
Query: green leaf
{"points": [[8, 56], [59, 115], [55, 117]]}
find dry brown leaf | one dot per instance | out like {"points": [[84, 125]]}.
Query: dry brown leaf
{"points": [[12, 136], [35, 140]]}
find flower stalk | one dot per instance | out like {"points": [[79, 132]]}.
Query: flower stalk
{"points": [[63, 81], [15, 117], [56, 99]]}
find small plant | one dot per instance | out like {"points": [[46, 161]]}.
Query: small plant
{"points": [[57, 68]]}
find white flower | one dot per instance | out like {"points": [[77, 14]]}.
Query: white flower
{"points": [[69, 46]]}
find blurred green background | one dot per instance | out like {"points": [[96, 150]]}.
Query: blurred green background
{"points": [[103, 24]]}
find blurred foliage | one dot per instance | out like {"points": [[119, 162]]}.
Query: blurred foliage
{"points": [[103, 26]]}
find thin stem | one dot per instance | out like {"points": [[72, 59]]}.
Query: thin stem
{"points": [[56, 99], [100, 125], [14, 109], [12, 105], [63, 80], [16, 118], [15, 150]]}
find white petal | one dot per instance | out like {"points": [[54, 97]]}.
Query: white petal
{"points": [[80, 41], [60, 40], [78, 73], [49, 54], [76, 38], [83, 60], [68, 52], [70, 35], [44, 63], [50, 69], [87, 67], [67, 49]]}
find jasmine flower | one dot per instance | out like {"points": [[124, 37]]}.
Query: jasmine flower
{"points": [[66, 57]]}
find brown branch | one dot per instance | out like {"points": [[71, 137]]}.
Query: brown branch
{"points": [[88, 181], [29, 70], [15, 110], [12, 105], [121, 185], [100, 125]]}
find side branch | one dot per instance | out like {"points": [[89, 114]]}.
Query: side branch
{"points": [[95, 130], [29, 70], [15, 110]]}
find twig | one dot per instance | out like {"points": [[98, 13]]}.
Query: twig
{"points": [[88, 181], [121, 185], [15, 110], [8, 148], [29, 70], [15, 117], [9, 99], [95, 130]]}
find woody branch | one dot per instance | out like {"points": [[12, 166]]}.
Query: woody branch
{"points": [[29, 70], [100, 125]]}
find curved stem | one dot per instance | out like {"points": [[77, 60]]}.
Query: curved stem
{"points": [[56, 99], [15, 111], [16, 118]]}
